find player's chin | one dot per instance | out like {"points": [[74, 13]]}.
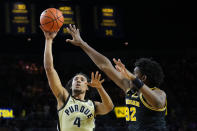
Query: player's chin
{"points": [[78, 90]]}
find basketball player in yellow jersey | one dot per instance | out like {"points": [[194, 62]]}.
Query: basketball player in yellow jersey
{"points": [[75, 113]]}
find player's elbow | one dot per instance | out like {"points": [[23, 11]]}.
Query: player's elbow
{"points": [[109, 108], [160, 101], [48, 68], [102, 67], [105, 66], [105, 109], [158, 104]]}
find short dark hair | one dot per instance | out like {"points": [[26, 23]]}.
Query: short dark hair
{"points": [[152, 70]]}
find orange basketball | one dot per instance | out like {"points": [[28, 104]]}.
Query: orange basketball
{"points": [[51, 20]]}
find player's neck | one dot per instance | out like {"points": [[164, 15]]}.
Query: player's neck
{"points": [[79, 96]]}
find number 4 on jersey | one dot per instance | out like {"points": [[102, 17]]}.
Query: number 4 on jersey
{"points": [[77, 121]]}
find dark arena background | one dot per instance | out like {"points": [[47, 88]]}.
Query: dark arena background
{"points": [[165, 31]]}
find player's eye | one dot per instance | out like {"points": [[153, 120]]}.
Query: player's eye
{"points": [[76, 78], [82, 79]]}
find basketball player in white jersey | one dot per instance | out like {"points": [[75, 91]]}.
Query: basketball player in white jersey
{"points": [[75, 113]]}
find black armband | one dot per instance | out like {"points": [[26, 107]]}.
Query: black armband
{"points": [[137, 83]]}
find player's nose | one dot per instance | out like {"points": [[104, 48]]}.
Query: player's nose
{"points": [[78, 81]]}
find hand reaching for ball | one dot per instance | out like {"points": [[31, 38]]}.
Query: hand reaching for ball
{"points": [[48, 35], [76, 38]]}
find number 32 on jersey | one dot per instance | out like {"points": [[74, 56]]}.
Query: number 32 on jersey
{"points": [[130, 113]]}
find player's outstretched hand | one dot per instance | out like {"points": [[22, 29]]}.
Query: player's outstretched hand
{"points": [[96, 80], [48, 35], [120, 67], [76, 38]]}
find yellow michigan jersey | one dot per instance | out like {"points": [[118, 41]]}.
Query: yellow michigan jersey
{"points": [[76, 115]]}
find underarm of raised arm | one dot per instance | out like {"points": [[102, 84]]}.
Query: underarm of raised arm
{"points": [[55, 84]]}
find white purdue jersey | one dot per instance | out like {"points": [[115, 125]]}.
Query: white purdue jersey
{"points": [[76, 115]]}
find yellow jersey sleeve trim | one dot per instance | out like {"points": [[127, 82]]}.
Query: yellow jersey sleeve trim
{"points": [[150, 107], [166, 109]]}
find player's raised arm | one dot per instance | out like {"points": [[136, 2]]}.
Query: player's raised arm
{"points": [[54, 81], [106, 105], [100, 60]]}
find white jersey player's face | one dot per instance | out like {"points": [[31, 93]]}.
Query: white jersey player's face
{"points": [[79, 84]]}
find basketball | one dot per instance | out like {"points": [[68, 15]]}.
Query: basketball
{"points": [[51, 20]]}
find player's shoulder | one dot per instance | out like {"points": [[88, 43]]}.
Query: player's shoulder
{"points": [[159, 91]]}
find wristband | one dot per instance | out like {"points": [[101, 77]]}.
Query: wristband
{"points": [[138, 84]]}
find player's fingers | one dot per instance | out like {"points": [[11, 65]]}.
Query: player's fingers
{"points": [[69, 40], [57, 31], [69, 31], [78, 31], [115, 61], [74, 27], [99, 77], [96, 75], [92, 76], [42, 28], [124, 71], [119, 60], [71, 28], [123, 66], [117, 68], [102, 81], [120, 63]]}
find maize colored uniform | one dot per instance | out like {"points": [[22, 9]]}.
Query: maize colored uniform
{"points": [[140, 116]]}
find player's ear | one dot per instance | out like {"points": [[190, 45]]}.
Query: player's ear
{"points": [[144, 78], [86, 83]]}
